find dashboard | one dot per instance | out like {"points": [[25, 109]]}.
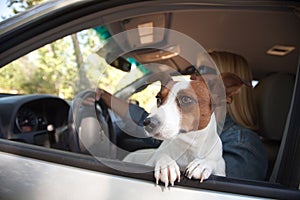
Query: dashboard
{"points": [[30, 118]]}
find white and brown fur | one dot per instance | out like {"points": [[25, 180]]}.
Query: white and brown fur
{"points": [[186, 123]]}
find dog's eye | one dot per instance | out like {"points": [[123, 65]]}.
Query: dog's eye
{"points": [[158, 101], [185, 100]]}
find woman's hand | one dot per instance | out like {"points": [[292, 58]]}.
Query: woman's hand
{"points": [[100, 93]]}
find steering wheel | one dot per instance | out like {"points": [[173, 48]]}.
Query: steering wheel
{"points": [[90, 127]]}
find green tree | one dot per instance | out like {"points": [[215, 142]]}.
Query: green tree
{"points": [[18, 6], [61, 68], [51, 67]]}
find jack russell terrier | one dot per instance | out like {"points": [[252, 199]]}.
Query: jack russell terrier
{"points": [[186, 122]]}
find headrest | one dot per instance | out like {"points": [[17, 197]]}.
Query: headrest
{"points": [[273, 96]]}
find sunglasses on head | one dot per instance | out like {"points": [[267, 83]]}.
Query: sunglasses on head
{"points": [[200, 70]]}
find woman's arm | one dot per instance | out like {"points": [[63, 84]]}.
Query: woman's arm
{"points": [[118, 106], [244, 155]]}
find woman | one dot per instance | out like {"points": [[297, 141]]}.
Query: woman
{"points": [[243, 152]]}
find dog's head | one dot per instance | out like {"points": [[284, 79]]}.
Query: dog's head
{"points": [[186, 106]]}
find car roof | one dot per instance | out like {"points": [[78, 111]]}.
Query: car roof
{"points": [[267, 35]]}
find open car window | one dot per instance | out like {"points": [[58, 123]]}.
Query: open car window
{"points": [[65, 67], [48, 74]]}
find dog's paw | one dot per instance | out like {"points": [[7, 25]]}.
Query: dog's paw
{"points": [[198, 169], [167, 171]]}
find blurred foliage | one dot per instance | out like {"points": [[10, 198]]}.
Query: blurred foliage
{"points": [[49, 69], [67, 66], [54, 69], [18, 6]]}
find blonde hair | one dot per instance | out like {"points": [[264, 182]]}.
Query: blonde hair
{"points": [[242, 109]]}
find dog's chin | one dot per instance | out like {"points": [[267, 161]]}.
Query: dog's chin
{"points": [[162, 136], [157, 136], [183, 131]]}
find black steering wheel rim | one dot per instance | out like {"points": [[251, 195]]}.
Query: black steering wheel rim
{"points": [[106, 115], [88, 138]]}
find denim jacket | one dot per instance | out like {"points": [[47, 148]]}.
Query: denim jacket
{"points": [[243, 152]]}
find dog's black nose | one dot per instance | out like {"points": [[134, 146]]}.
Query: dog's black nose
{"points": [[147, 121], [150, 123]]}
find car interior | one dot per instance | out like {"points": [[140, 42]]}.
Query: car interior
{"points": [[272, 91], [265, 55], [267, 38]]}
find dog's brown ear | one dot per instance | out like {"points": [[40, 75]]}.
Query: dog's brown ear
{"points": [[233, 84]]}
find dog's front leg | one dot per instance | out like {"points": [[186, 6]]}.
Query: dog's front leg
{"points": [[166, 170], [200, 169]]}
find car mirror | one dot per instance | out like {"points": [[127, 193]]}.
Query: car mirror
{"points": [[121, 63]]}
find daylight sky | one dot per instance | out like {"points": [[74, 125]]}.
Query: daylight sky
{"points": [[4, 11]]}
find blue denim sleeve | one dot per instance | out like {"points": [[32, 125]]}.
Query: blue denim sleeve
{"points": [[244, 154]]}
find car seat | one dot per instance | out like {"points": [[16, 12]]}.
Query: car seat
{"points": [[273, 96]]}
